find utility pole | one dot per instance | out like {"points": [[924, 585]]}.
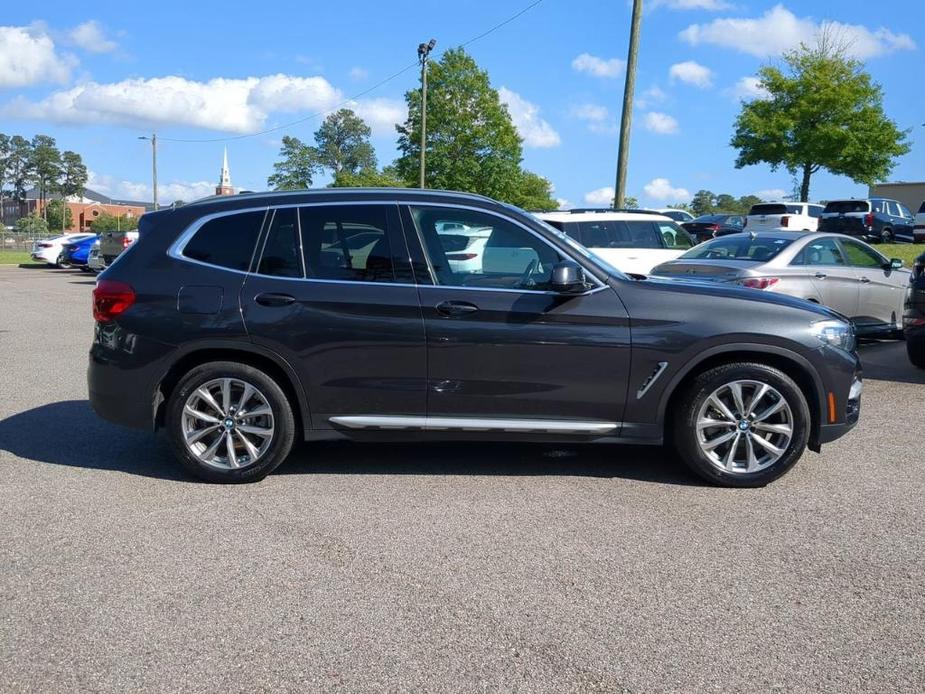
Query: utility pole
{"points": [[153, 140], [626, 119], [424, 50]]}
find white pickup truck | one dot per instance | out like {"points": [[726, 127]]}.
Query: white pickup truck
{"points": [[633, 242]]}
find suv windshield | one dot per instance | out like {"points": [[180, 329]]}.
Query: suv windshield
{"points": [[844, 206], [740, 247]]}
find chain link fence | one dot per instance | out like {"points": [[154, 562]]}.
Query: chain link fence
{"points": [[22, 241]]}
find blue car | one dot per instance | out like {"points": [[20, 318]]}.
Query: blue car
{"points": [[76, 253]]}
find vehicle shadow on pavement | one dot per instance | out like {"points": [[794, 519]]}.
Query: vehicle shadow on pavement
{"points": [[642, 463], [69, 433], [886, 360]]}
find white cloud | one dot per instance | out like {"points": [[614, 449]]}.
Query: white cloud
{"points": [[357, 73], [661, 189], [28, 56], [564, 204], [601, 196], [90, 37], [651, 96], [748, 88], [771, 194], [691, 72], [381, 114], [535, 131], [692, 4], [597, 117], [119, 189], [660, 123], [599, 67], [230, 105], [779, 30]]}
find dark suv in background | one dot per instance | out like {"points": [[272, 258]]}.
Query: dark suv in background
{"points": [[241, 324], [877, 220]]}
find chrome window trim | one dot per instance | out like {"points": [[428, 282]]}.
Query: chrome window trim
{"points": [[433, 276]]}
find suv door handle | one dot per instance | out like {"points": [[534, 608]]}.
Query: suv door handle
{"points": [[271, 299], [865, 280], [455, 308], [820, 275]]}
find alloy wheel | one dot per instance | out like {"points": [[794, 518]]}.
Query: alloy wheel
{"points": [[744, 426], [227, 423]]}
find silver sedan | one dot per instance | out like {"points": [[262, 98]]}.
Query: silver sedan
{"points": [[838, 271]]}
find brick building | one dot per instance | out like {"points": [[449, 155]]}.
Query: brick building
{"points": [[83, 209]]}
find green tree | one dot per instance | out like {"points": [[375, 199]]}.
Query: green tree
{"points": [[4, 168], [299, 164], [825, 112], [111, 222], [629, 201], [702, 203], [533, 192], [746, 202], [726, 203], [71, 182], [472, 144], [54, 217], [368, 178], [46, 167], [342, 144], [19, 171], [32, 224]]}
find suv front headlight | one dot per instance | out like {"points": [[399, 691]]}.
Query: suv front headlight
{"points": [[835, 333]]}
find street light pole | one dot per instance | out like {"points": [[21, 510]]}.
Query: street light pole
{"points": [[153, 140], [424, 50], [627, 117]]}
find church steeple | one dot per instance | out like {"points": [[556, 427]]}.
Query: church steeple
{"points": [[224, 183]]}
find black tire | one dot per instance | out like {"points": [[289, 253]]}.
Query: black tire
{"points": [[62, 263], [684, 423], [916, 351], [283, 422], [886, 236]]}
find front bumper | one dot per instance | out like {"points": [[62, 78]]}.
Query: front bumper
{"points": [[841, 416]]}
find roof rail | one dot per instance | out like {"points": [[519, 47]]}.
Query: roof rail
{"points": [[629, 210]]}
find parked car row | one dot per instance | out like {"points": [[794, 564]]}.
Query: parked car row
{"points": [[87, 251]]}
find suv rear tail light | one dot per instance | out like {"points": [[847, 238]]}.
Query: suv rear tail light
{"points": [[759, 282], [869, 219], [126, 242], [111, 299], [785, 221]]}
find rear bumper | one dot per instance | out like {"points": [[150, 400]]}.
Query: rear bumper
{"points": [[115, 398]]}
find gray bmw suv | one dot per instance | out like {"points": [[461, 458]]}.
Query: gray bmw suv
{"points": [[240, 324]]}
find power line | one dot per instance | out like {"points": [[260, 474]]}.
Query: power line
{"points": [[353, 98]]}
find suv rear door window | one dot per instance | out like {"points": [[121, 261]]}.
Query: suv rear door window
{"points": [[674, 236], [227, 241], [347, 243]]}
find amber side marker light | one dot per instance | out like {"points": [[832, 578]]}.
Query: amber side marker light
{"points": [[831, 407]]}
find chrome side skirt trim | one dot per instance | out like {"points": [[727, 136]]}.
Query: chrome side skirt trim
{"points": [[541, 426]]}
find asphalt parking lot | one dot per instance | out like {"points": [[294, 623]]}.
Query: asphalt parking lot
{"points": [[442, 567]]}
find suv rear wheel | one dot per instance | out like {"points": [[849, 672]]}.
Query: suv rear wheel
{"points": [[742, 425], [886, 236], [229, 422]]}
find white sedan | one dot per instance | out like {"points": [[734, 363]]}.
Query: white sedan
{"points": [[50, 250]]}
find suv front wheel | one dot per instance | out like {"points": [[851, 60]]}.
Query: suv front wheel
{"points": [[229, 422], [742, 425]]}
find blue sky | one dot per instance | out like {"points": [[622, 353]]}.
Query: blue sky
{"points": [[95, 75]]}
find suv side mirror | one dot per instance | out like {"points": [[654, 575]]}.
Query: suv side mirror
{"points": [[896, 263], [568, 277]]}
